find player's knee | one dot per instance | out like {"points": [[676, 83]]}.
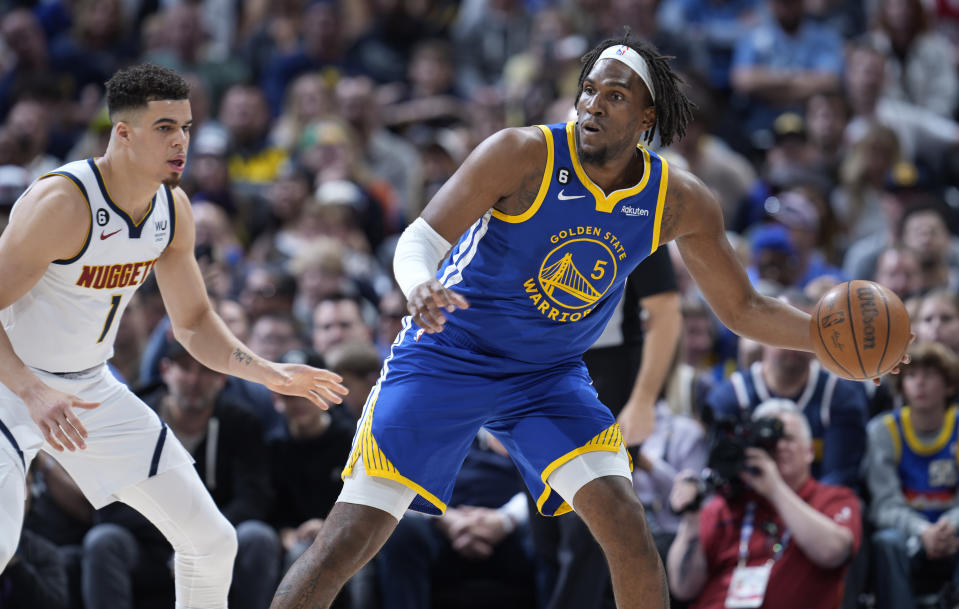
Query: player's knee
{"points": [[214, 538]]}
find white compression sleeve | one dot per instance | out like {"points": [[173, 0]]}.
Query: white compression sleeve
{"points": [[418, 253]]}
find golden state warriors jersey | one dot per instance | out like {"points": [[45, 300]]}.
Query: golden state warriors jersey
{"points": [[67, 322], [543, 284]]}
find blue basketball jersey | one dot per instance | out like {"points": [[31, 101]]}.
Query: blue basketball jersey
{"points": [[543, 284], [929, 472]]}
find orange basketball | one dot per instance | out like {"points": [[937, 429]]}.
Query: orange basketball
{"points": [[860, 330]]}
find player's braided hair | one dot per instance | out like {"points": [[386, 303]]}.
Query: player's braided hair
{"points": [[137, 85], [673, 108]]}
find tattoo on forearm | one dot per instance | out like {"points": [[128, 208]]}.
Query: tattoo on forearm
{"points": [[243, 357], [688, 555]]}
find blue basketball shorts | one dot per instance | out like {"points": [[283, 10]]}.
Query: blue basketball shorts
{"points": [[435, 392]]}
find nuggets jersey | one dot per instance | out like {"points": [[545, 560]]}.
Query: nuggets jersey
{"points": [[928, 472], [543, 284], [67, 322]]}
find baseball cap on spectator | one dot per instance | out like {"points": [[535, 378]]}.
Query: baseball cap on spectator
{"points": [[905, 175], [787, 125], [772, 237], [13, 181]]}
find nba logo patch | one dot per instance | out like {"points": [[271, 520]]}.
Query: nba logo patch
{"points": [[419, 333], [622, 50]]}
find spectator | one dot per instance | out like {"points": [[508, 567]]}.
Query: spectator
{"points": [[785, 544], [358, 362], [306, 455], [835, 408], [267, 289], [937, 319], [924, 230], [920, 62], [782, 62], [897, 268], [320, 272], [273, 334], [337, 319], [388, 156], [913, 480], [924, 136], [308, 98], [254, 160]]}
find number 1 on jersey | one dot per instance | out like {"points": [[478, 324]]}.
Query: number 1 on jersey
{"points": [[114, 305]]}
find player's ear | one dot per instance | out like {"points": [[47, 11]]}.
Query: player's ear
{"points": [[649, 118], [123, 131]]}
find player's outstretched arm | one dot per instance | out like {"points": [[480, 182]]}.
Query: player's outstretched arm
{"points": [[693, 218], [201, 331], [505, 172], [51, 222]]}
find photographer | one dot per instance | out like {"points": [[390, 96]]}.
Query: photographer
{"points": [[835, 408], [784, 543]]}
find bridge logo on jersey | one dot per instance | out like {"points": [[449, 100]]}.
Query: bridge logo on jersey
{"points": [[576, 273]]}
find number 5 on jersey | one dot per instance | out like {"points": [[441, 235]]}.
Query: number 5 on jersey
{"points": [[114, 305]]}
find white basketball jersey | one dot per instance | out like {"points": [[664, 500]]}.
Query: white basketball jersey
{"points": [[67, 322]]}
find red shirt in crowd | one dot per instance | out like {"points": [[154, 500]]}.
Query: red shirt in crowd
{"points": [[794, 582]]}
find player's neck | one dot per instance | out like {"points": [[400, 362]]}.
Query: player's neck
{"points": [[621, 171], [128, 188]]}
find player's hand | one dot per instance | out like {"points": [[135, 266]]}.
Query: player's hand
{"points": [[52, 411], [321, 387], [429, 300], [636, 422], [905, 359]]}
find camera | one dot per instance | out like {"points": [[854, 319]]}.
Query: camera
{"points": [[727, 452]]}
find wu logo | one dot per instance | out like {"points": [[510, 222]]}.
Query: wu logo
{"points": [[159, 225]]}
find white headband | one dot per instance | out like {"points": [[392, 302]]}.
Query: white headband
{"points": [[632, 59]]}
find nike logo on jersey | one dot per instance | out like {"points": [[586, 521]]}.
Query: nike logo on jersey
{"points": [[108, 235], [564, 197]]}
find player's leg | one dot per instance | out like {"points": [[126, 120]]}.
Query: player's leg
{"points": [[569, 449], [356, 528], [203, 540], [615, 516]]}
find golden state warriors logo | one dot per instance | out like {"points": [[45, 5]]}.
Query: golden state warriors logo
{"points": [[576, 273]]}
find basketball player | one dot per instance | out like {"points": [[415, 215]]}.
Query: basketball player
{"points": [[549, 221], [80, 241]]}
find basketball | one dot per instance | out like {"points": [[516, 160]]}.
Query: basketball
{"points": [[860, 330]]}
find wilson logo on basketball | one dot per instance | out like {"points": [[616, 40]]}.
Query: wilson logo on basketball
{"points": [[869, 312]]}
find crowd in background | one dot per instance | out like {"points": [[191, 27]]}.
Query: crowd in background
{"points": [[827, 129]]}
